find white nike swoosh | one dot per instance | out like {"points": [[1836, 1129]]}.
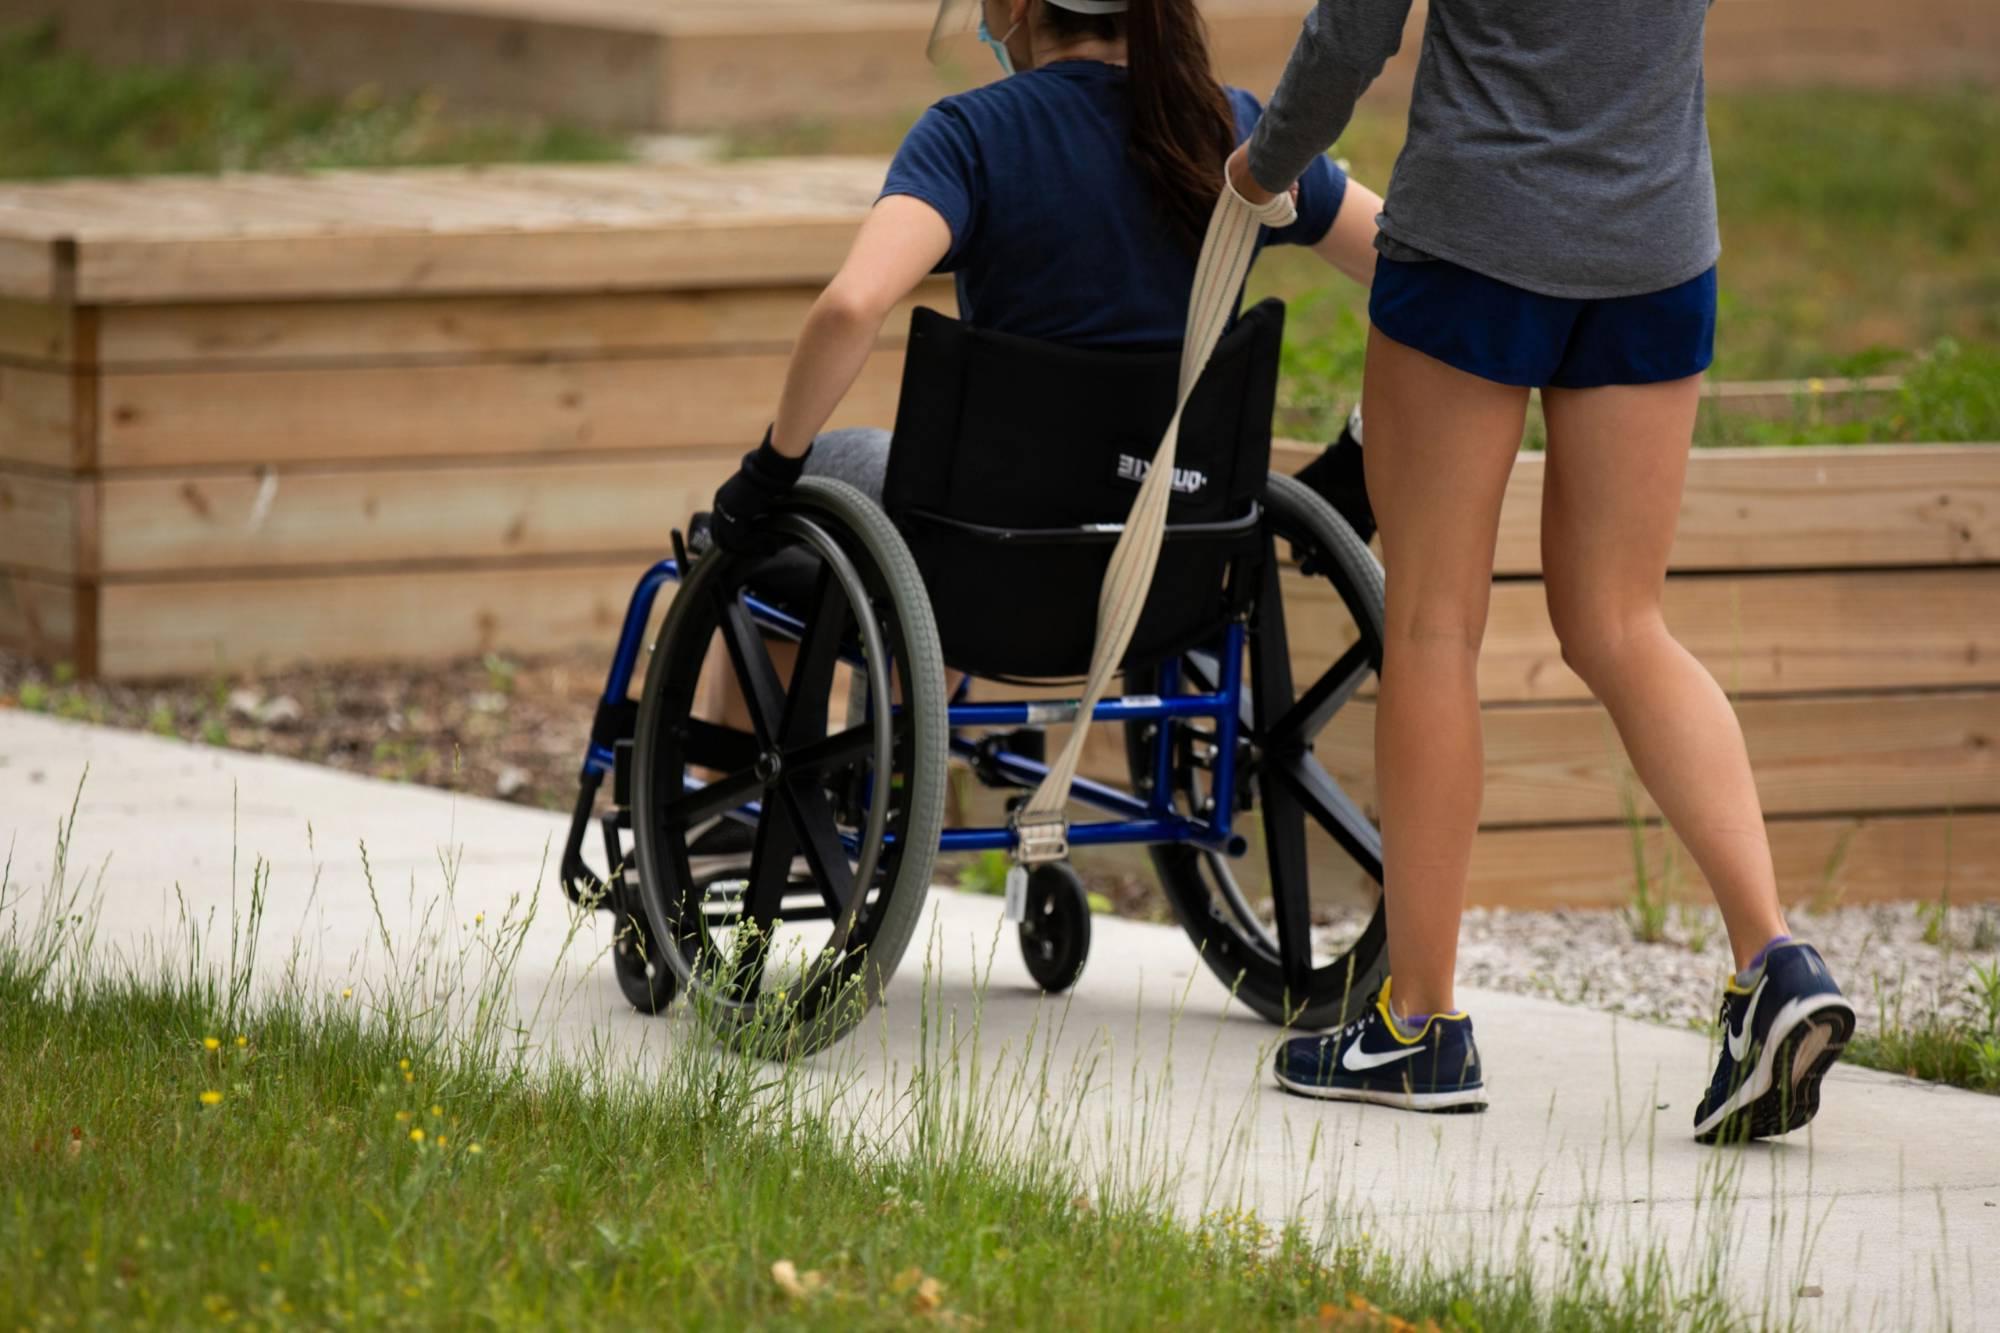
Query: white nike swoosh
{"points": [[1354, 1061], [1739, 1041]]}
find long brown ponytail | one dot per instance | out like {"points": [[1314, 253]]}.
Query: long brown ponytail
{"points": [[1182, 125]]}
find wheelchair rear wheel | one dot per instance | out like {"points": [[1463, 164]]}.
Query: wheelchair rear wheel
{"points": [[1251, 917], [841, 768]]}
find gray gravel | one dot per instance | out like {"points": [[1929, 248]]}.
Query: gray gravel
{"points": [[1888, 958]]}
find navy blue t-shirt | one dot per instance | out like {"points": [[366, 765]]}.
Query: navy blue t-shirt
{"points": [[1054, 234]]}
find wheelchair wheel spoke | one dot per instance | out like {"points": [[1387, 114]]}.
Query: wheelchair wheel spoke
{"points": [[1203, 670], [1285, 846], [1306, 718], [836, 751], [716, 798], [1284, 821], [1333, 810], [724, 749], [763, 899], [763, 693], [819, 654], [818, 837]]}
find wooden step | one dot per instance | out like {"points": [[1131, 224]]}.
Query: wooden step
{"points": [[1565, 764], [719, 64]]}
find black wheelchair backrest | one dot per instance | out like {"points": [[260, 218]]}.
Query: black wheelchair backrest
{"points": [[1015, 461]]}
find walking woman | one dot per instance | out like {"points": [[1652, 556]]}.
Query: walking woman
{"points": [[1549, 225]]}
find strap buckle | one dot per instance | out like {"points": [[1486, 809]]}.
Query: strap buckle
{"points": [[1039, 838]]}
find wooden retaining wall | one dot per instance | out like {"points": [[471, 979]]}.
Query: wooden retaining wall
{"points": [[392, 415], [412, 415], [1849, 601], [709, 64]]}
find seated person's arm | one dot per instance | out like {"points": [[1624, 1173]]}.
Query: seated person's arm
{"points": [[901, 241], [1349, 244]]}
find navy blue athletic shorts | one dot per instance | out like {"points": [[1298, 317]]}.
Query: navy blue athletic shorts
{"points": [[1499, 332]]}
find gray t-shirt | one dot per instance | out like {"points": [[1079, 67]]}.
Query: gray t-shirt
{"points": [[1558, 145]]}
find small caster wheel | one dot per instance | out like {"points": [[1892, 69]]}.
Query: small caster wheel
{"points": [[643, 976], [1055, 930]]}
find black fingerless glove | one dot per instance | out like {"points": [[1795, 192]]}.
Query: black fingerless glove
{"points": [[742, 501]]}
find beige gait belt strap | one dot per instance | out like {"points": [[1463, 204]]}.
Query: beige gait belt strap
{"points": [[1041, 830]]}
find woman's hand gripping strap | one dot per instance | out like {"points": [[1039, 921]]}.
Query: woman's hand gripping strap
{"points": [[1041, 831]]}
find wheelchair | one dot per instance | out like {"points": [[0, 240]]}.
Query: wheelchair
{"points": [[1012, 467]]}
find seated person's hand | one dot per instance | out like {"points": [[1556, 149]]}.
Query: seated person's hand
{"points": [[742, 502]]}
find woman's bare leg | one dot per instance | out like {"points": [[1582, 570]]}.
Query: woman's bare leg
{"points": [[1617, 461], [1440, 446]]}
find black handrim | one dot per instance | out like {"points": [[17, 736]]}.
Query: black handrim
{"points": [[1277, 968], [818, 782]]}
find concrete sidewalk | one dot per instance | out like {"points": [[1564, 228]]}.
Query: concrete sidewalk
{"points": [[1886, 1215]]}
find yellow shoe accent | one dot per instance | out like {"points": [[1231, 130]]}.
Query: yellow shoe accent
{"points": [[1389, 1018]]}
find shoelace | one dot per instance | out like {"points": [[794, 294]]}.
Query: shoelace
{"points": [[1349, 1030]]}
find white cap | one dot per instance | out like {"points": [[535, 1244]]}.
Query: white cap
{"points": [[958, 17]]}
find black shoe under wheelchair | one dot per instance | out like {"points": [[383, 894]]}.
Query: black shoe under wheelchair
{"points": [[774, 872]]}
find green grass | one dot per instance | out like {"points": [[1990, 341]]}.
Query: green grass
{"points": [[180, 1145], [1961, 1051], [62, 115], [1950, 394]]}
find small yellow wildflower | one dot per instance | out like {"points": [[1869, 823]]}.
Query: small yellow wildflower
{"points": [[347, 993], [409, 1078], [441, 1140], [436, 1111], [402, 1117], [403, 1065], [479, 919], [211, 1098], [416, 1136], [474, 1149], [211, 1043], [241, 1041]]}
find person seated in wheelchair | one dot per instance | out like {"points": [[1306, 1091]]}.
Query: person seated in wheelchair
{"points": [[1069, 201], [785, 764]]}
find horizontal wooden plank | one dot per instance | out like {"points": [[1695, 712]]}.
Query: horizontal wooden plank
{"points": [[1805, 508], [229, 336], [1869, 859], [40, 617], [383, 516], [447, 230], [1564, 763], [282, 417], [1835, 398], [675, 256], [1840, 507], [197, 627], [37, 333], [38, 422], [1759, 634], [40, 517]]}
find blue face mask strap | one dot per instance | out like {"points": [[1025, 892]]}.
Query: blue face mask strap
{"points": [[998, 45]]}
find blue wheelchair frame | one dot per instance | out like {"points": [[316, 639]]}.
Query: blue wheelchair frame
{"points": [[1137, 820]]}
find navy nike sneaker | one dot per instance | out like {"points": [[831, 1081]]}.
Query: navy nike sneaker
{"points": [[1780, 1034], [1369, 1060]]}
